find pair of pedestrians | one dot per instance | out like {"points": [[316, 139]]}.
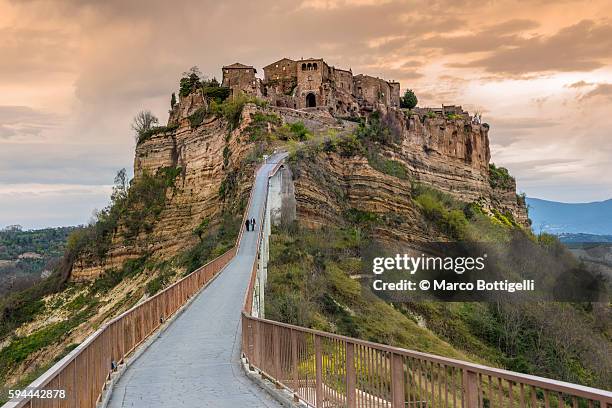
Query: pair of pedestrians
{"points": [[250, 224]]}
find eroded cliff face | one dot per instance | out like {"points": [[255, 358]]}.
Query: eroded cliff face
{"points": [[451, 155], [206, 155]]}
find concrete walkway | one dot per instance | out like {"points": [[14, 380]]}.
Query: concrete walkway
{"points": [[196, 361]]}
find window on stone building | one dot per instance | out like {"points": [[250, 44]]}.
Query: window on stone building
{"points": [[303, 67], [314, 66]]}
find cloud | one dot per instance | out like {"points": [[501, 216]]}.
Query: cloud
{"points": [[488, 39], [24, 121], [601, 90], [506, 131], [579, 84], [35, 54], [584, 46]]}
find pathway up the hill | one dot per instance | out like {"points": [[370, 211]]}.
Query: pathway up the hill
{"points": [[196, 361]]}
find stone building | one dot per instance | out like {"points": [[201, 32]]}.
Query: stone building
{"points": [[311, 83], [240, 78]]}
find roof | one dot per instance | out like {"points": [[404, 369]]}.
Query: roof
{"points": [[280, 60], [237, 65], [310, 59]]}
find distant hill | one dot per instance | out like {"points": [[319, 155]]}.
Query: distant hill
{"points": [[570, 238], [557, 218], [27, 256]]}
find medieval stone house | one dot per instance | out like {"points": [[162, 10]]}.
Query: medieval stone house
{"points": [[312, 83]]}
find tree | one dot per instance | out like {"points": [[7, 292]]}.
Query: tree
{"points": [[143, 122], [409, 100], [120, 188], [190, 81], [173, 100]]}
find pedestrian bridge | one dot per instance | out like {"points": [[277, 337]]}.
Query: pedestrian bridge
{"points": [[194, 360]]}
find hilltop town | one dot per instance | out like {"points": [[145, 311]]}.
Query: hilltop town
{"points": [[312, 83]]}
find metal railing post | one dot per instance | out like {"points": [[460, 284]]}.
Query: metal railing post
{"points": [[295, 362], [319, 372], [397, 381], [470, 389], [276, 349], [351, 397]]}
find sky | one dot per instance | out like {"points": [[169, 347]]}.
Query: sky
{"points": [[73, 74]]}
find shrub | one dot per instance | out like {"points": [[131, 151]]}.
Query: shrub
{"points": [[190, 81], [202, 227], [155, 130], [409, 100], [213, 242], [156, 284], [260, 122], [347, 146], [197, 117], [299, 130], [143, 122], [361, 217], [216, 93], [499, 177], [113, 277], [375, 130], [387, 166]]}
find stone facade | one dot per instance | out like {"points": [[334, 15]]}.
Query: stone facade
{"points": [[241, 78], [312, 83]]}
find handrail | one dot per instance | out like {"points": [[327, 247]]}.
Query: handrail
{"points": [[325, 369], [94, 360]]}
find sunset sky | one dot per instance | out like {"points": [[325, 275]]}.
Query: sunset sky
{"points": [[74, 73]]}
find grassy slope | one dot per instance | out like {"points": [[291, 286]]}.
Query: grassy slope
{"points": [[310, 284]]}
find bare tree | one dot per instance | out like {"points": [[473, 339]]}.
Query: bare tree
{"points": [[143, 121]]}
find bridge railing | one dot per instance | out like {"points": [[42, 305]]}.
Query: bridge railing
{"points": [[329, 370], [84, 372]]}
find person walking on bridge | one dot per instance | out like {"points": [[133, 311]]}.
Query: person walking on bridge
{"points": [[247, 223], [252, 224]]}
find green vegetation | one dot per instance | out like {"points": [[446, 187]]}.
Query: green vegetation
{"points": [[113, 277], [387, 166], [24, 255], [197, 117], [499, 177], [409, 100], [375, 130], [142, 124], [135, 208], [231, 110], [190, 81], [446, 213], [155, 130], [49, 242], [21, 348], [214, 241], [213, 91], [310, 284], [163, 278], [260, 125], [453, 116]]}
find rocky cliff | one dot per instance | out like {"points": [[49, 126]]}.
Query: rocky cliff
{"points": [[207, 154], [448, 153]]}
